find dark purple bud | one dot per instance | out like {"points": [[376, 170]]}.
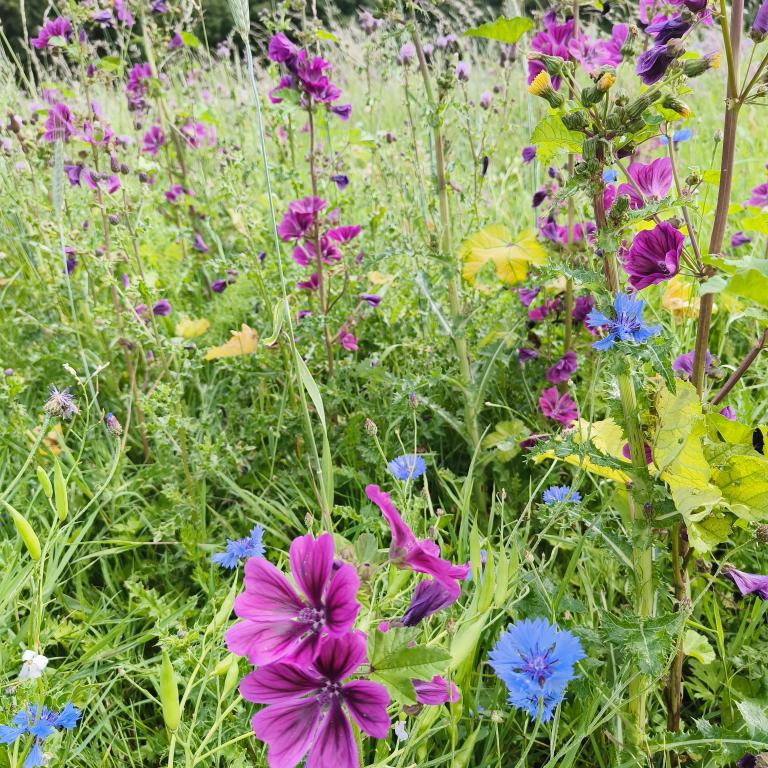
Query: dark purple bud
{"points": [[219, 286], [429, 597], [340, 180], [653, 64], [538, 198], [161, 308]]}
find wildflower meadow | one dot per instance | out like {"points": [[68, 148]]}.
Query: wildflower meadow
{"points": [[383, 385]]}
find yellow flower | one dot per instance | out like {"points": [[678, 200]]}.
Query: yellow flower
{"points": [[540, 84], [680, 298], [607, 79], [714, 60]]}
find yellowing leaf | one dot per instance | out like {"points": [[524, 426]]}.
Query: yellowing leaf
{"points": [[697, 646], [680, 298], [741, 473], [243, 342], [505, 439], [509, 256], [190, 329], [379, 278]]}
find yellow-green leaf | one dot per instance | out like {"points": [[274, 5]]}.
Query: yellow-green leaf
{"points": [[697, 646], [504, 30], [509, 255], [550, 136]]}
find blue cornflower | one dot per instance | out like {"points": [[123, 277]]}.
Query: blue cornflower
{"points": [[609, 175], [628, 325], [40, 723], [407, 467], [239, 549], [678, 137], [535, 661], [557, 493]]}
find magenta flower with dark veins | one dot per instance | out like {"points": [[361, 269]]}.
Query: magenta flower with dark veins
{"points": [[420, 555], [278, 623], [582, 306], [281, 49], [654, 256], [560, 408], [58, 27], [154, 138], [653, 179], [748, 582], [300, 218], [436, 691], [58, 126], [563, 369], [553, 41], [309, 706], [309, 285], [609, 51], [527, 295], [626, 452]]}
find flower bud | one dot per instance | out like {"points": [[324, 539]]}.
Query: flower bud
{"points": [[371, 428], [761, 533], [673, 103], [636, 108], [605, 82], [542, 86], [696, 67], [26, 532], [45, 482], [576, 121], [591, 96], [552, 64], [169, 694]]}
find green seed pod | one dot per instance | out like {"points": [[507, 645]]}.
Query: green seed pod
{"points": [[576, 121], [641, 103], [222, 667], [232, 678], [591, 96], [169, 694], [45, 481], [590, 148], [225, 611], [27, 533], [60, 487]]}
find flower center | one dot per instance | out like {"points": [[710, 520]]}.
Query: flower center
{"points": [[538, 666], [329, 693], [313, 616]]}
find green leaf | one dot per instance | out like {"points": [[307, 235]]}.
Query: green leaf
{"points": [[751, 281], [190, 40], [697, 646], [504, 30], [323, 34], [394, 662], [550, 137], [742, 475], [648, 641], [755, 717]]}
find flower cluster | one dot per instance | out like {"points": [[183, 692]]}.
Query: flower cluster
{"points": [[39, 722]]}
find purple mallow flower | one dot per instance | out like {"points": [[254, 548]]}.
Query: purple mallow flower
{"points": [[528, 154], [759, 28], [278, 623], [161, 308], [627, 326], [683, 364], [654, 256], [560, 408], [154, 138], [552, 40], [176, 42], [626, 452], [340, 180], [759, 197], [309, 706], [58, 125], [653, 64], [436, 691], [748, 583], [563, 369], [653, 179], [58, 27]]}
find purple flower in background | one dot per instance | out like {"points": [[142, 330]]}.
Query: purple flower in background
{"points": [[342, 110], [443, 41], [560, 408], [485, 99], [309, 285], [665, 30], [759, 196], [553, 41], [348, 340], [729, 413], [219, 286], [654, 256], [70, 259], [563, 369], [199, 244], [738, 239], [683, 364], [176, 42], [407, 53], [158, 6], [58, 126], [539, 196], [300, 217], [154, 138], [429, 597], [368, 22], [174, 193], [137, 86], [123, 14], [527, 295], [281, 49], [340, 180], [58, 27], [760, 24], [462, 71], [309, 706], [524, 354], [626, 452], [653, 64], [528, 154], [608, 52], [161, 308], [372, 299], [582, 306], [748, 583], [278, 623], [653, 179], [435, 692]]}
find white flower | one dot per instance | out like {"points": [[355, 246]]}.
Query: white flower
{"points": [[32, 665], [400, 732]]}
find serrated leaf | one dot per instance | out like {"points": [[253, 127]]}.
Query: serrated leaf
{"points": [[551, 136], [755, 717], [510, 256], [648, 641], [504, 30]]}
